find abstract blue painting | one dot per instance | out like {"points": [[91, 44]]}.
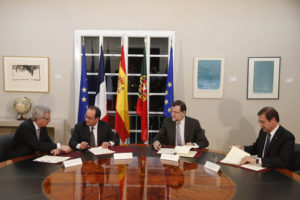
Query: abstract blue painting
{"points": [[208, 77], [263, 77], [209, 74]]}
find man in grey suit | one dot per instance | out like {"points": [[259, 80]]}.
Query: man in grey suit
{"points": [[274, 146], [92, 132], [180, 129]]}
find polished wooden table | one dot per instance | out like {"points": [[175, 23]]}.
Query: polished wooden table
{"points": [[143, 177]]}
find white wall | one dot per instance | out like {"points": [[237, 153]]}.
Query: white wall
{"points": [[233, 29]]}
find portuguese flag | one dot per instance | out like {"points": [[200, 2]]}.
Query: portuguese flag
{"points": [[141, 106]]}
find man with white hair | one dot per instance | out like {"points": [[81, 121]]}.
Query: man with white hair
{"points": [[32, 136]]}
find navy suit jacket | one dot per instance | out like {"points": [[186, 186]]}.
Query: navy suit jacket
{"points": [[281, 149], [82, 133], [192, 132], [26, 142]]}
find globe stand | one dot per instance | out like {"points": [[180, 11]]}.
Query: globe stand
{"points": [[20, 117]]}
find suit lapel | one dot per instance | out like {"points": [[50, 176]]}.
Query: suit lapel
{"points": [[274, 139]]}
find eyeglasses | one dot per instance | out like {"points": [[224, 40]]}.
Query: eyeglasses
{"points": [[175, 112], [48, 119]]}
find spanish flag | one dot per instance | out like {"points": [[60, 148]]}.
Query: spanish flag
{"points": [[122, 117]]}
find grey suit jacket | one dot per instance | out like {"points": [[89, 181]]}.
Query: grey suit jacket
{"points": [[82, 133], [281, 149], [192, 132]]}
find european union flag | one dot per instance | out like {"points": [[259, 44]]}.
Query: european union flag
{"points": [[169, 98], [83, 97]]}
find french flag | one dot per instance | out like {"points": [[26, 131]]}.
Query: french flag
{"points": [[100, 99]]}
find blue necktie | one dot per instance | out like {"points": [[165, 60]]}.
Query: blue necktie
{"points": [[267, 144]]}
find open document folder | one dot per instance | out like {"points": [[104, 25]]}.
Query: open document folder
{"points": [[100, 151], [235, 155]]}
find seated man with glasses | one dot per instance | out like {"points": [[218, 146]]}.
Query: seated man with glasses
{"points": [[92, 132], [180, 129], [32, 136], [274, 146]]}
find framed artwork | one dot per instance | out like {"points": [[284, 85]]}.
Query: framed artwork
{"points": [[26, 74], [263, 78], [208, 77]]}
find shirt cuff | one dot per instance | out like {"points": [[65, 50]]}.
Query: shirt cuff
{"points": [[78, 146], [58, 145], [112, 143]]}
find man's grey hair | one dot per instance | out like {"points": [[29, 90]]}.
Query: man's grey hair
{"points": [[39, 111]]}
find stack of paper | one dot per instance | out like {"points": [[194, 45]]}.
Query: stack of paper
{"points": [[100, 151], [166, 151], [235, 155], [51, 159]]}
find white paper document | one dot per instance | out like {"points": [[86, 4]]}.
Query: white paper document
{"points": [[166, 151], [212, 166], [183, 149], [190, 154], [51, 159], [255, 167], [234, 156], [100, 151]]}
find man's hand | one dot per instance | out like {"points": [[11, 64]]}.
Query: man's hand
{"points": [[238, 146], [189, 144], [84, 145], [55, 152], [105, 145], [65, 148], [247, 159], [157, 145]]}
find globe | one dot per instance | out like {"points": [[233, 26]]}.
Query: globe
{"points": [[22, 105]]}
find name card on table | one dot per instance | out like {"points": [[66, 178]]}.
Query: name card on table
{"points": [[169, 157], [123, 156], [73, 162], [212, 166]]}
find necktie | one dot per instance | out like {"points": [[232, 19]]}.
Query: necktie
{"points": [[178, 136], [92, 137], [267, 144], [38, 133]]}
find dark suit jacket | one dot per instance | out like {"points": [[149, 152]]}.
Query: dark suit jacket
{"points": [[281, 149], [25, 140], [82, 133], [192, 132]]}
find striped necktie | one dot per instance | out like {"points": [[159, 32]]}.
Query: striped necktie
{"points": [[178, 136]]}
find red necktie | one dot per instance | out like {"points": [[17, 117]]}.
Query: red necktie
{"points": [[38, 133]]}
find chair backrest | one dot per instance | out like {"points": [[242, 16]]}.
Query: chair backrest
{"points": [[6, 143], [296, 162]]}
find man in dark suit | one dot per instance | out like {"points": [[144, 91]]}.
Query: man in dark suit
{"points": [[92, 132], [180, 129], [32, 136], [274, 146]]}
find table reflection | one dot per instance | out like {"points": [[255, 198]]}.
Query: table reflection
{"points": [[139, 178]]}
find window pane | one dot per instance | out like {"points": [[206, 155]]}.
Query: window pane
{"points": [[136, 45], [92, 63], [158, 84], [132, 99], [159, 46], [135, 64], [135, 138], [133, 83], [111, 83], [112, 64], [112, 45], [159, 65], [111, 100], [155, 121], [92, 82], [156, 103], [135, 122], [91, 44], [91, 99]]}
